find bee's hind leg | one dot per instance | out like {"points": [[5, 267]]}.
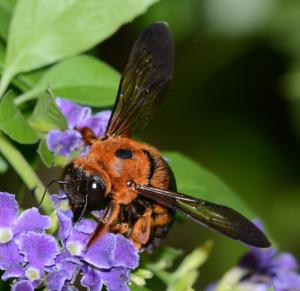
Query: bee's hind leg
{"points": [[121, 228], [141, 229]]}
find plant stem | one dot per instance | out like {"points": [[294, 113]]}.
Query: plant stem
{"points": [[24, 170], [27, 96]]}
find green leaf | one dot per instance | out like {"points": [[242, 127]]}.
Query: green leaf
{"points": [[13, 123], [6, 9], [2, 55], [194, 180], [47, 116], [3, 165], [83, 79], [27, 81], [187, 272], [43, 32], [46, 155], [50, 159]]}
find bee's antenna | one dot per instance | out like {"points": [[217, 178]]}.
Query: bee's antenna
{"points": [[46, 189]]}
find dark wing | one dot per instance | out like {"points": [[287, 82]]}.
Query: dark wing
{"points": [[148, 71], [220, 218]]}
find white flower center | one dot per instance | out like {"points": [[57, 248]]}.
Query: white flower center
{"points": [[74, 247], [32, 274], [5, 235]]}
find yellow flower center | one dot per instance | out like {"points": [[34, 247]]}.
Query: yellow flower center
{"points": [[5, 235]]}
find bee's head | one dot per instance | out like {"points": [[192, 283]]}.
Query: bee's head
{"points": [[86, 190]]}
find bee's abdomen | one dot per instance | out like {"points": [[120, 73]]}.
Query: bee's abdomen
{"points": [[162, 216], [162, 219]]}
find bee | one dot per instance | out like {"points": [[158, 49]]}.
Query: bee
{"points": [[130, 179]]}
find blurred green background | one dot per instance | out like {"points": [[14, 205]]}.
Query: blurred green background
{"points": [[234, 107]]}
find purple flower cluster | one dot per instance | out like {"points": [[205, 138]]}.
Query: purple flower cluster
{"points": [[34, 258], [266, 268], [65, 142], [261, 270]]}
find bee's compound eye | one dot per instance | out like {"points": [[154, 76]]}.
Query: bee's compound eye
{"points": [[96, 186], [124, 154]]}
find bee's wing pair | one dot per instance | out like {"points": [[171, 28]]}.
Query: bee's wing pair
{"points": [[148, 72]]}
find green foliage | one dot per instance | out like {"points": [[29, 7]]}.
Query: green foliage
{"points": [[186, 274], [3, 165], [45, 45], [139, 277], [13, 123], [43, 32], [48, 157], [83, 79], [194, 180], [2, 55], [6, 9], [46, 115], [230, 280]]}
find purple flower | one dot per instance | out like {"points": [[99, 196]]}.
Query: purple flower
{"points": [[260, 269], [270, 268], [34, 258], [107, 262], [78, 117], [23, 285], [12, 230]]}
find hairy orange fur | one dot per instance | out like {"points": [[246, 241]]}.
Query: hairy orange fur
{"points": [[117, 173]]}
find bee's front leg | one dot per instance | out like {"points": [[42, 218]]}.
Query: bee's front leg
{"points": [[141, 229], [111, 213]]}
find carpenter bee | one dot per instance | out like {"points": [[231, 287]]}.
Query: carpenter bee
{"points": [[130, 179]]}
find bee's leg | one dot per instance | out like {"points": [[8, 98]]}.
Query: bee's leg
{"points": [[120, 228], [141, 230], [88, 135], [111, 212]]}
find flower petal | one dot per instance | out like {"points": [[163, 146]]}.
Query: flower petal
{"points": [[258, 259], [97, 123], [74, 113], [91, 279], [58, 199], [56, 280], [116, 279], [23, 285], [286, 281], [86, 226], [39, 249], [125, 254], [64, 142], [65, 223], [285, 261], [101, 252], [31, 219], [63, 272], [10, 260], [8, 209]]}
